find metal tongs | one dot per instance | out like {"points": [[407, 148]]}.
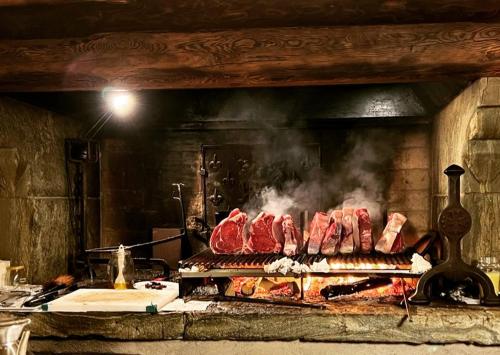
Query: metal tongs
{"points": [[9, 298]]}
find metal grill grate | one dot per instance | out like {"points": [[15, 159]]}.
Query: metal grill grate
{"points": [[206, 260]]}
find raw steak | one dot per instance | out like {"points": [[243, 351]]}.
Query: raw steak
{"points": [[347, 243], [391, 240], [317, 230], [333, 234], [229, 235], [261, 239], [365, 230], [277, 230], [293, 238]]}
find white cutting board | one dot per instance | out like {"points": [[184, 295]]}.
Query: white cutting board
{"points": [[109, 300]]}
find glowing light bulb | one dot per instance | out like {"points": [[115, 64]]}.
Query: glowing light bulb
{"points": [[121, 102]]}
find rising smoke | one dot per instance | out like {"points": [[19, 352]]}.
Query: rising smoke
{"points": [[353, 171], [356, 178]]}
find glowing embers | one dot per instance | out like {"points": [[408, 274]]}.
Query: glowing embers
{"points": [[361, 266], [320, 288]]}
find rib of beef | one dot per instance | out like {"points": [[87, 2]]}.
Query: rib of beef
{"points": [[365, 230], [347, 243], [261, 239], [392, 240], [229, 235], [318, 227], [333, 234], [293, 238], [277, 230]]}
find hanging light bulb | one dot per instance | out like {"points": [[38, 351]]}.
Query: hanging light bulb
{"points": [[121, 103]]}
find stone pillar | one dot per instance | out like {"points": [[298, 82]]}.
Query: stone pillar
{"points": [[467, 132]]}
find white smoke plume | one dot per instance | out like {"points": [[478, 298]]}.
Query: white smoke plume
{"points": [[358, 179]]}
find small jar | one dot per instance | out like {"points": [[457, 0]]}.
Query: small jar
{"points": [[491, 267], [121, 260]]}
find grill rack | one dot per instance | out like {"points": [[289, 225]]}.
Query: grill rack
{"points": [[219, 268], [219, 265]]}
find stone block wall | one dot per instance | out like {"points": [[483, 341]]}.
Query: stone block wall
{"points": [[467, 133], [34, 224]]}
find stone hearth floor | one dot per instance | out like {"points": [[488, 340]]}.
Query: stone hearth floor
{"points": [[380, 323]]}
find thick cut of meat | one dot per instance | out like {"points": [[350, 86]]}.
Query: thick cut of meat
{"points": [[391, 240], [333, 234], [317, 230], [365, 230], [261, 239], [293, 238], [347, 243], [277, 230], [229, 235]]}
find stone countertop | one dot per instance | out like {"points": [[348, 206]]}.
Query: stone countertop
{"points": [[243, 321]]}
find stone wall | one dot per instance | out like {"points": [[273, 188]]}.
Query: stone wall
{"points": [[467, 133], [34, 224]]}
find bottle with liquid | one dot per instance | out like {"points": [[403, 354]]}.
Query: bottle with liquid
{"points": [[17, 275], [121, 269], [491, 267]]}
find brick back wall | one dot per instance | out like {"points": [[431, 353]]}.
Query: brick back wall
{"points": [[138, 172]]}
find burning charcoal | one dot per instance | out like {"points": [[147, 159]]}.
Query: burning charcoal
{"points": [[206, 290], [333, 291]]}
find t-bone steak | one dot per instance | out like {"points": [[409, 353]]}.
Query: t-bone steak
{"points": [[317, 230], [277, 230], [293, 238], [229, 235], [347, 243], [392, 240], [260, 238], [365, 230], [333, 234]]}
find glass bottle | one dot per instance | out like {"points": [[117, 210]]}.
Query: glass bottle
{"points": [[491, 267], [17, 275], [121, 269]]}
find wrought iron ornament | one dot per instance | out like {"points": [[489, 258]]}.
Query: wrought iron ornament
{"points": [[454, 223]]}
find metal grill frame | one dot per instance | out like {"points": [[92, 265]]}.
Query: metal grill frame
{"points": [[218, 267]]}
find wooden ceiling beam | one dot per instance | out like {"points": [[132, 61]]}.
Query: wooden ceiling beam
{"points": [[253, 57], [78, 18]]}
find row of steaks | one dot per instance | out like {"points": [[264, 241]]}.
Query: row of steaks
{"points": [[343, 231]]}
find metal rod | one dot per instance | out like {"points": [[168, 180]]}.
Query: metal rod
{"points": [[405, 300], [113, 248]]}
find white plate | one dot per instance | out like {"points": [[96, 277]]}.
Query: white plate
{"points": [[169, 285]]}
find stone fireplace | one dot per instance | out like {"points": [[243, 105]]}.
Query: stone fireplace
{"points": [[414, 132], [413, 140]]}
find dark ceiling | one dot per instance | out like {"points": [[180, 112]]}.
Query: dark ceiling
{"points": [[417, 100]]}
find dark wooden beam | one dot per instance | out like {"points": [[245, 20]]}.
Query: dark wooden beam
{"points": [[77, 18], [253, 57]]}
